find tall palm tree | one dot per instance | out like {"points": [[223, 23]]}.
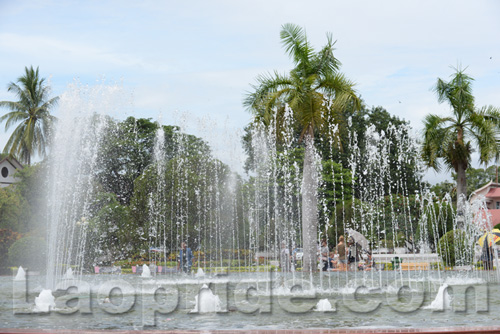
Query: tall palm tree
{"points": [[315, 91], [32, 112], [452, 139]]}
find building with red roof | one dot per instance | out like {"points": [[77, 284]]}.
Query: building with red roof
{"points": [[491, 193]]}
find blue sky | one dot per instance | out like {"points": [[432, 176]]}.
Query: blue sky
{"points": [[192, 62]]}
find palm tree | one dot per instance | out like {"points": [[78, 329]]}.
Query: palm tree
{"points": [[315, 91], [452, 139], [32, 112]]}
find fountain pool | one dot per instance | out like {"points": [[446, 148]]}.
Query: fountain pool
{"points": [[257, 301]]}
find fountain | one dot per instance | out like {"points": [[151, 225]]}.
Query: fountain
{"points": [[44, 302], [21, 274], [442, 300], [200, 273], [235, 228], [69, 274], [324, 305], [206, 301], [146, 272]]}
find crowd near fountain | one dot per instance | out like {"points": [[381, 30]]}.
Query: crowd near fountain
{"points": [[241, 265]]}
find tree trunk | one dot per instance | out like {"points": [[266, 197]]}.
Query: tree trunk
{"points": [[461, 181], [461, 192], [309, 207]]}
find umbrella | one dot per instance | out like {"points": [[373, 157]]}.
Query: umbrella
{"points": [[359, 238], [490, 238]]}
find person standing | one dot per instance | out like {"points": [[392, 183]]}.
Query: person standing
{"points": [[487, 256], [284, 258], [185, 258], [341, 252], [353, 257], [324, 255]]}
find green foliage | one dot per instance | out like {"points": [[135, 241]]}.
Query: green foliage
{"points": [[443, 188], [187, 194], [337, 182], [21, 203], [28, 252], [315, 92], [454, 248], [435, 222], [126, 151], [388, 223], [387, 243], [111, 229], [7, 238], [32, 112], [128, 148], [450, 141], [314, 89], [400, 239], [477, 177], [391, 128], [13, 209]]}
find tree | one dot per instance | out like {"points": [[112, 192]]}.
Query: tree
{"points": [[445, 187], [7, 238], [477, 177], [315, 91], [32, 112], [29, 252], [183, 203], [453, 138], [21, 203], [14, 210], [127, 150], [111, 229], [398, 135]]}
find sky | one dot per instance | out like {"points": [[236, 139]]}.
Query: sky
{"points": [[190, 63]]}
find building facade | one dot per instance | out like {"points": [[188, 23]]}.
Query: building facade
{"points": [[491, 193], [8, 167]]}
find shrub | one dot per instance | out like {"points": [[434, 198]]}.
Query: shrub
{"points": [[454, 248], [7, 238], [387, 243], [28, 252]]}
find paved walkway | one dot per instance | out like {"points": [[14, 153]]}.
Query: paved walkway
{"points": [[447, 330]]}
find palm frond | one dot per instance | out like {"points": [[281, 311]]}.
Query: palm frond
{"points": [[267, 84], [310, 88], [295, 42], [324, 62], [13, 117], [485, 134], [457, 93], [336, 84], [32, 111], [15, 142], [491, 114], [436, 135]]}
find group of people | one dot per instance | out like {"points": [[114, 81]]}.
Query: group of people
{"points": [[343, 257]]}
